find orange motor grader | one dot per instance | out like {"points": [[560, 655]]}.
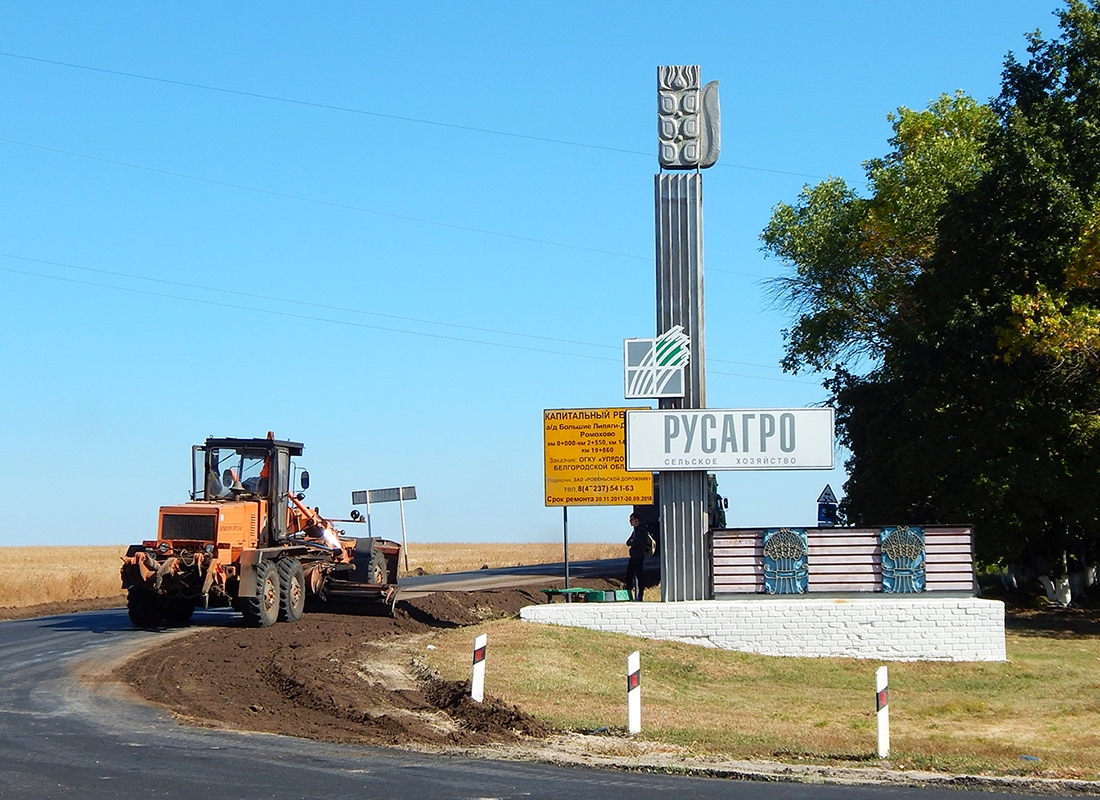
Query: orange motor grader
{"points": [[248, 541]]}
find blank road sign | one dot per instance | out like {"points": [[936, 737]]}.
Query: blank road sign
{"points": [[383, 495]]}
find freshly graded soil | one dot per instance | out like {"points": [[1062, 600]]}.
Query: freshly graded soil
{"points": [[340, 675]]}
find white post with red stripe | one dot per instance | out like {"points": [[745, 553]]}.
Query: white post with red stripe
{"points": [[882, 706], [477, 682], [634, 692]]}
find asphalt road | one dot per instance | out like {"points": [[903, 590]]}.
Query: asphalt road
{"points": [[67, 737]]}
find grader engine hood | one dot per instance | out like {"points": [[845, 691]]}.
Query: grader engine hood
{"points": [[228, 525]]}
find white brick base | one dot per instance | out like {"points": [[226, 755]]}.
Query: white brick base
{"points": [[902, 629]]}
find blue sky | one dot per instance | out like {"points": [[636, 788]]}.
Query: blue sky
{"points": [[399, 232]]}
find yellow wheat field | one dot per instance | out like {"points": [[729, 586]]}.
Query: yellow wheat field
{"points": [[436, 559], [31, 576]]}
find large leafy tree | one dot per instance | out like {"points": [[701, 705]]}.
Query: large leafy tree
{"points": [[958, 307], [855, 258]]}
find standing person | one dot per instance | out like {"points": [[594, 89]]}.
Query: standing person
{"points": [[639, 545]]}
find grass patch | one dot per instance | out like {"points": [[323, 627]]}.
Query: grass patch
{"points": [[976, 718]]}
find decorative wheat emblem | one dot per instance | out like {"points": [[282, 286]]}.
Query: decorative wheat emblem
{"points": [[903, 559], [661, 364], [785, 569]]}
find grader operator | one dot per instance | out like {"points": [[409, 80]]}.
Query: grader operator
{"points": [[247, 540]]}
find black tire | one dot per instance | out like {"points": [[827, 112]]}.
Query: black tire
{"points": [[379, 571], [143, 608], [262, 610], [292, 590], [178, 611]]}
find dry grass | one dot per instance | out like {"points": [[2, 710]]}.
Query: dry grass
{"points": [[436, 559], [30, 576], [969, 718]]}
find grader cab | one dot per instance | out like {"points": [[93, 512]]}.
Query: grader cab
{"points": [[246, 539]]}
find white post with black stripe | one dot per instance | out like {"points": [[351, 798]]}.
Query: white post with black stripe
{"points": [[882, 707], [634, 692], [477, 682]]}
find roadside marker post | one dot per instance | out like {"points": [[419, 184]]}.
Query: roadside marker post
{"points": [[634, 692], [477, 682], [882, 708]]}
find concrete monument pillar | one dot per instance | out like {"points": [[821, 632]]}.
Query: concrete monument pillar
{"points": [[688, 131]]}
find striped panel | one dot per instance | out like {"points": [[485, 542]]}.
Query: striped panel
{"points": [[842, 560], [949, 560], [738, 561]]}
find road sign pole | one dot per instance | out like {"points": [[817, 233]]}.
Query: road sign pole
{"points": [[565, 538], [369, 534], [826, 508], [404, 541]]}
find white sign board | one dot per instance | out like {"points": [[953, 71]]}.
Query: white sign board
{"points": [[729, 439]]}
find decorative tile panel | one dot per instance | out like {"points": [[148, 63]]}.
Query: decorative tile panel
{"points": [[785, 552], [902, 559]]}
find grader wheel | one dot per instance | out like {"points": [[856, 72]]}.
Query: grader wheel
{"points": [[178, 611], [262, 610], [143, 607], [378, 569], [292, 594]]}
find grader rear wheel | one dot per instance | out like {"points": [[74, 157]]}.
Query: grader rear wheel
{"points": [[143, 607], [292, 585], [178, 611], [379, 572], [262, 610]]}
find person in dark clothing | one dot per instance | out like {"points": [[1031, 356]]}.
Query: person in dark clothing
{"points": [[639, 546]]}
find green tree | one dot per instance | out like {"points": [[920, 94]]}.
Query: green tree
{"points": [[979, 398], [854, 258]]}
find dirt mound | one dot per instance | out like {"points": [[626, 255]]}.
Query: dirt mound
{"points": [[337, 676], [490, 717], [458, 609]]}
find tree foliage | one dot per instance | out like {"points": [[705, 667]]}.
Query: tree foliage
{"points": [[967, 287], [856, 258]]}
